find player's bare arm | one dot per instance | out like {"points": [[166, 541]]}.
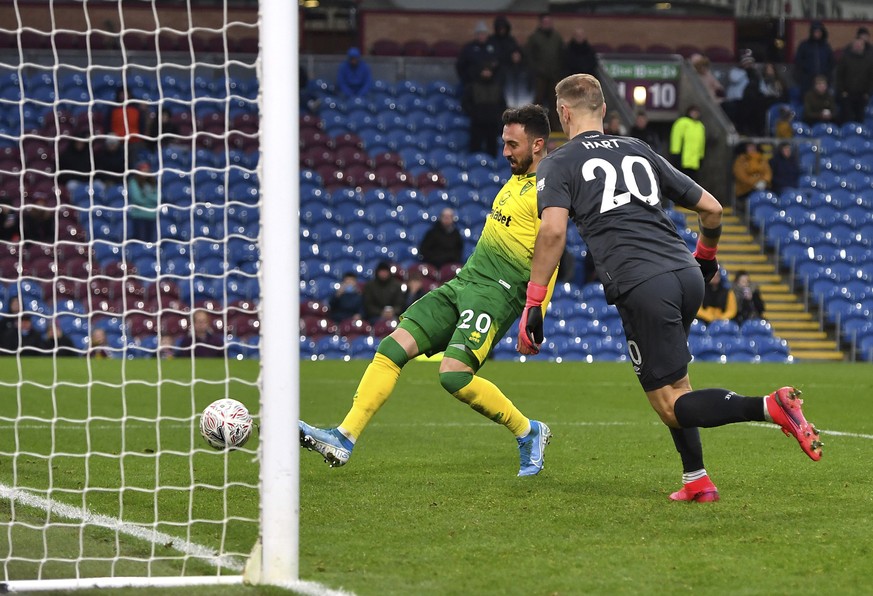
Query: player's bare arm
{"points": [[549, 244], [709, 212], [548, 249]]}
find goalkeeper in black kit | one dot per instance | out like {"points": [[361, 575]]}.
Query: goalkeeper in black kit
{"points": [[612, 187]]}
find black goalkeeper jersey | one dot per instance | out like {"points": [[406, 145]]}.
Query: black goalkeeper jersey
{"points": [[613, 186]]}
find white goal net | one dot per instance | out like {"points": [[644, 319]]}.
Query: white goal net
{"points": [[130, 284]]}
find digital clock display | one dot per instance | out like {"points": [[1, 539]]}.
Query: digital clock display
{"points": [[652, 84]]}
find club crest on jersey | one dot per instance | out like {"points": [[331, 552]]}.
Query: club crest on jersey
{"points": [[527, 186], [541, 184]]}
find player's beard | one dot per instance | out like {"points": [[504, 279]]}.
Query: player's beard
{"points": [[521, 167]]}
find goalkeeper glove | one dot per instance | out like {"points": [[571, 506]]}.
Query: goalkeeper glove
{"points": [[705, 256], [530, 327]]}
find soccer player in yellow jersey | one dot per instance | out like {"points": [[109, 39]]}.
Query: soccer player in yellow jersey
{"points": [[468, 315]]}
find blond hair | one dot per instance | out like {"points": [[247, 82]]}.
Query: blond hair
{"points": [[580, 92]]}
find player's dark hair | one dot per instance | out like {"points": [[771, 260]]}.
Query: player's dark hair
{"points": [[581, 91], [534, 119]]}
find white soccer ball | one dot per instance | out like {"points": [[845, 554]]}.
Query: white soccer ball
{"points": [[226, 424]]}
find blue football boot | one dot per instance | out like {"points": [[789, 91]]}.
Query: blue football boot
{"points": [[532, 449], [330, 443]]}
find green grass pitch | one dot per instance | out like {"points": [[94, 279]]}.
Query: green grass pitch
{"points": [[430, 503]]}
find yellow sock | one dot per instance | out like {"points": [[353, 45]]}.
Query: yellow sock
{"points": [[376, 385], [486, 398]]}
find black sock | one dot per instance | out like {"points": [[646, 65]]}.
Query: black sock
{"points": [[715, 407], [687, 441]]}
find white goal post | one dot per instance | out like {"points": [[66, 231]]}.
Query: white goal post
{"points": [[148, 174]]}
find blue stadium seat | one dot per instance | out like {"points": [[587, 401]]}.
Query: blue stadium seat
{"points": [[854, 129], [335, 248], [332, 347], [439, 159], [755, 328], [857, 145], [177, 266], [363, 347], [723, 329], [810, 233], [857, 216], [839, 307], [763, 214], [856, 181], [840, 198], [826, 130]]}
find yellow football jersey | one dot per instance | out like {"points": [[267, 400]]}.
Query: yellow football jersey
{"points": [[504, 251]]}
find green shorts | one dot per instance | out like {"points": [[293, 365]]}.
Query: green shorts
{"points": [[464, 319]]}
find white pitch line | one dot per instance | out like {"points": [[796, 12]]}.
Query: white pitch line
{"points": [[833, 433], [307, 588], [823, 431], [104, 521]]}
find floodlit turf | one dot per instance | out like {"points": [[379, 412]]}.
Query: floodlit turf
{"points": [[430, 503]]}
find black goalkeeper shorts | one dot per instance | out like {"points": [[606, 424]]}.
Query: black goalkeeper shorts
{"points": [[657, 315]]}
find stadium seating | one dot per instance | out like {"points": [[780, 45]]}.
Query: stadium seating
{"points": [[402, 158]]}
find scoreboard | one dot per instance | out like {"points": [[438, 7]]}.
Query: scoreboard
{"points": [[653, 85]]}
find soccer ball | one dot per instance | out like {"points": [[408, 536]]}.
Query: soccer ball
{"points": [[226, 424]]}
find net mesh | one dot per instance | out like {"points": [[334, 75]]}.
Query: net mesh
{"points": [[128, 286]]}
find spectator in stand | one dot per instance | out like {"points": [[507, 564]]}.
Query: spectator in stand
{"points": [[348, 301], [502, 41], [55, 341], [579, 56], [518, 81], [384, 290], [819, 104], [783, 128], [167, 348], [719, 302], [545, 51], [20, 338], [143, 198], [864, 34], [38, 219], [74, 163], [612, 125], [484, 102], [754, 103], [443, 243], [814, 57], [415, 289], [688, 142], [162, 130], [747, 297], [203, 341], [743, 102], [475, 55], [775, 87], [701, 65], [354, 78], [641, 130], [9, 229], [97, 346], [751, 171], [111, 161], [854, 81], [9, 318], [785, 169], [125, 119]]}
